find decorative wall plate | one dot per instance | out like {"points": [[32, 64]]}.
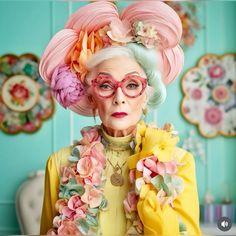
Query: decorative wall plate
{"points": [[210, 95], [187, 11], [25, 100]]}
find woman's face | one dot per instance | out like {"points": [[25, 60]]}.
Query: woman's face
{"points": [[119, 113]]}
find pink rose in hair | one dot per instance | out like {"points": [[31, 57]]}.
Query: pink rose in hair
{"points": [[120, 31], [66, 87]]}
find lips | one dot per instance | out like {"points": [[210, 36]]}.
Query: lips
{"points": [[119, 114]]}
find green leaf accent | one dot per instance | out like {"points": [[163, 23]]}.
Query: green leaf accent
{"points": [[5, 68], [93, 211], [92, 221], [83, 226], [156, 182], [70, 189], [104, 204], [72, 181], [165, 188], [75, 152], [182, 227], [73, 158], [30, 116], [22, 117], [160, 183], [5, 124], [28, 69]]}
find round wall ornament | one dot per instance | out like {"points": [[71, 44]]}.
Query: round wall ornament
{"points": [[25, 99]]}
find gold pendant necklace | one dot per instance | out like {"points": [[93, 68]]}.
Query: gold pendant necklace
{"points": [[116, 178]]}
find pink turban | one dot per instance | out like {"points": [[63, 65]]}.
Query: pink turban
{"points": [[94, 16]]}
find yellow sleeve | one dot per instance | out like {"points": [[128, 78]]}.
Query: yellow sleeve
{"points": [[165, 221], [51, 187]]}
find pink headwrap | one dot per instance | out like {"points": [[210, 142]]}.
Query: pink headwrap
{"points": [[98, 25]]}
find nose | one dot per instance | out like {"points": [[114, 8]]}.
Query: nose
{"points": [[119, 97]]}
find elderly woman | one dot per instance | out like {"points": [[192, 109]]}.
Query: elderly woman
{"points": [[124, 177]]}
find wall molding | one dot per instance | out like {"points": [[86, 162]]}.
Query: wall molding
{"points": [[7, 202], [9, 230]]}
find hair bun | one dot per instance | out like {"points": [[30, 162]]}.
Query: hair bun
{"points": [[160, 15]]}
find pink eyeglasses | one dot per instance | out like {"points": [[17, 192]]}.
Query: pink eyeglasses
{"points": [[132, 85]]}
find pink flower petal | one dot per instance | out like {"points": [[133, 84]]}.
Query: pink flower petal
{"points": [[150, 164], [140, 165], [171, 167], [161, 168]]}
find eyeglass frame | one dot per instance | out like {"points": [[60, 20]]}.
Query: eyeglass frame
{"points": [[118, 84]]}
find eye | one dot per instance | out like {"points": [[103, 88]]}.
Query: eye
{"points": [[132, 85], [106, 86]]}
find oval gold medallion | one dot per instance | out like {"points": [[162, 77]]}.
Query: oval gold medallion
{"points": [[117, 179]]}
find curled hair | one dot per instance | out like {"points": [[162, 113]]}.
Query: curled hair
{"points": [[68, 47], [146, 59]]}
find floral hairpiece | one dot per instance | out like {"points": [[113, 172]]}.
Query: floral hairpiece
{"points": [[117, 33]]}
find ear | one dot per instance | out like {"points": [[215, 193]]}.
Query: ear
{"points": [[145, 101], [92, 101]]}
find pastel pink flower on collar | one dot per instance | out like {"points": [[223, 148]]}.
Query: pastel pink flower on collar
{"points": [[52, 232], [75, 209], [130, 202], [68, 228], [86, 166], [150, 167], [67, 173], [132, 176], [163, 199], [95, 150], [91, 134], [95, 178], [75, 202], [120, 31], [169, 167], [92, 196]]}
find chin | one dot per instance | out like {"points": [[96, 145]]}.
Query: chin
{"points": [[120, 124]]}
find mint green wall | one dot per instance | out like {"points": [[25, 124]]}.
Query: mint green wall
{"points": [[27, 26]]}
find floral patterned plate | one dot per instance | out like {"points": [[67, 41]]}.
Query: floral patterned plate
{"points": [[25, 100], [210, 95]]}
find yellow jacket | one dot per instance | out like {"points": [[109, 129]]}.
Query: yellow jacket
{"points": [[156, 220]]}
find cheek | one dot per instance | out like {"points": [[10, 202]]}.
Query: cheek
{"points": [[103, 106], [137, 104]]}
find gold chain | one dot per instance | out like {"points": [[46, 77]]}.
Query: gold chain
{"points": [[116, 178]]}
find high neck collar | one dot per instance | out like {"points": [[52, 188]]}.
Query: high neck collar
{"points": [[117, 143]]}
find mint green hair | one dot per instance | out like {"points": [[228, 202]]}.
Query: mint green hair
{"points": [[148, 60]]}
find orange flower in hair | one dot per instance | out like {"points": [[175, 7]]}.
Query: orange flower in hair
{"points": [[86, 46]]}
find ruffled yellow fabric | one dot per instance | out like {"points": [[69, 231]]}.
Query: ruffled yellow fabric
{"points": [[164, 220]]}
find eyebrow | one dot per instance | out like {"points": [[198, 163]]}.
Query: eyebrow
{"points": [[105, 73]]}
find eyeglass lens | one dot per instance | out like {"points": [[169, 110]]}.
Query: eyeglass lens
{"points": [[131, 86]]}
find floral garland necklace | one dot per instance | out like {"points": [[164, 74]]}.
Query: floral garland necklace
{"points": [[81, 196]]}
